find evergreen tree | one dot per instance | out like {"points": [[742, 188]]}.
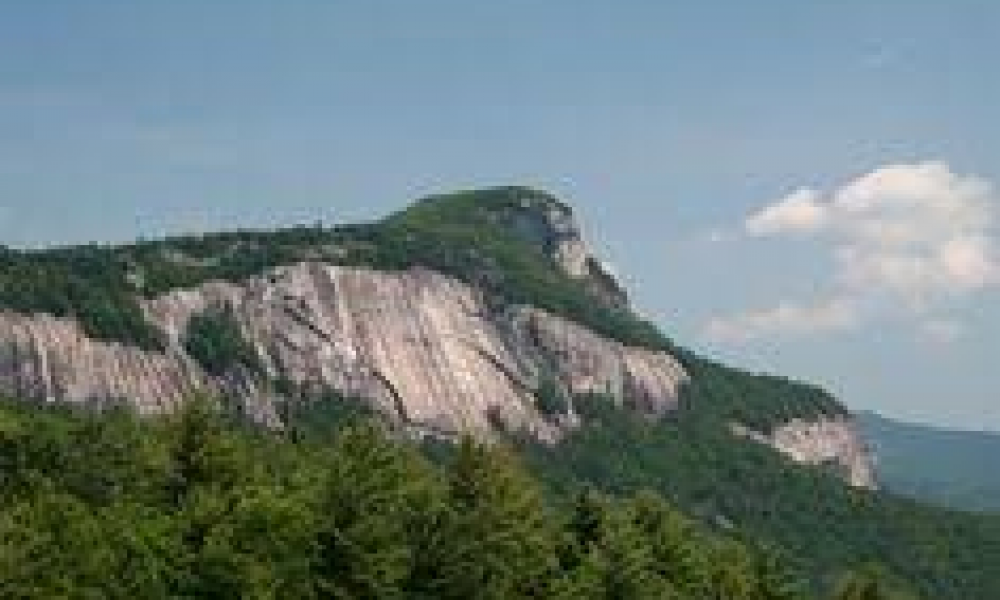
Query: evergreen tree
{"points": [[500, 543], [610, 555], [53, 547], [869, 582], [376, 494], [775, 579], [732, 572], [202, 451], [677, 546]]}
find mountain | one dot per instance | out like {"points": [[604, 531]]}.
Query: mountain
{"points": [[449, 317], [951, 467], [486, 313]]}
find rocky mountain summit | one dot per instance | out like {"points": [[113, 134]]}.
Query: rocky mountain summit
{"points": [[478, 312]]}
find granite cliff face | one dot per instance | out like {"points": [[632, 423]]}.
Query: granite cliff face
{"points": [[832, 441], [48, 359], [432, 353], [423, 348]]}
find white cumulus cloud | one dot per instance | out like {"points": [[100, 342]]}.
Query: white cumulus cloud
{"points": [[800, 211], [917, 234]]}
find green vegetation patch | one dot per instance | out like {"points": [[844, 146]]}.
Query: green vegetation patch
{"points": [[214, 339], [720, 394], [86, 283]]}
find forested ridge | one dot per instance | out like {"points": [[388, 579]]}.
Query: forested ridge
{"points": [[200, 504], [197, 505], [466, 235], [456, 234]]}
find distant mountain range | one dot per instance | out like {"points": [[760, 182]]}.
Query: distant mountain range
{"points": [[946, 466]]}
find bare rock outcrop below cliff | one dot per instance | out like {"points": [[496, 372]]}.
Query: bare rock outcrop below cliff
{"points": [[827, 441], [423, 348]]}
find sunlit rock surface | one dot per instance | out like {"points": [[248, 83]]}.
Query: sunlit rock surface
{"points": [[831, 441], [421, 347]]}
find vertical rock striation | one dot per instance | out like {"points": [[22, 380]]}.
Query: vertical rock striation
{"points": [[421, 347], [50, 359]]}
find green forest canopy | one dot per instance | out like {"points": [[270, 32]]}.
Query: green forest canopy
{"points": [[111, 506]]}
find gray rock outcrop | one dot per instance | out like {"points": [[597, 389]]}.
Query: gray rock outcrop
{"points": [[423, 348], [48, 359], [553, 226], [830, 441]]}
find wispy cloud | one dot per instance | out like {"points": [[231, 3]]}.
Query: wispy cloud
{"points": [[919, 235], [786, 318]]}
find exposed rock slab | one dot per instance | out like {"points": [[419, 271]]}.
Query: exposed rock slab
{"points": [[827, 440], [50, 359], [554, 227], [586, 363], [420, 346]]}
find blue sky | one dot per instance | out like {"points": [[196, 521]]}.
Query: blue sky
{"points": [[870, 129]]}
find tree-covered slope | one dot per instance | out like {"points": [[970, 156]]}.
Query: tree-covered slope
{"points": [[109, 506], [950, 467], [824, 525], [188, 535]]}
